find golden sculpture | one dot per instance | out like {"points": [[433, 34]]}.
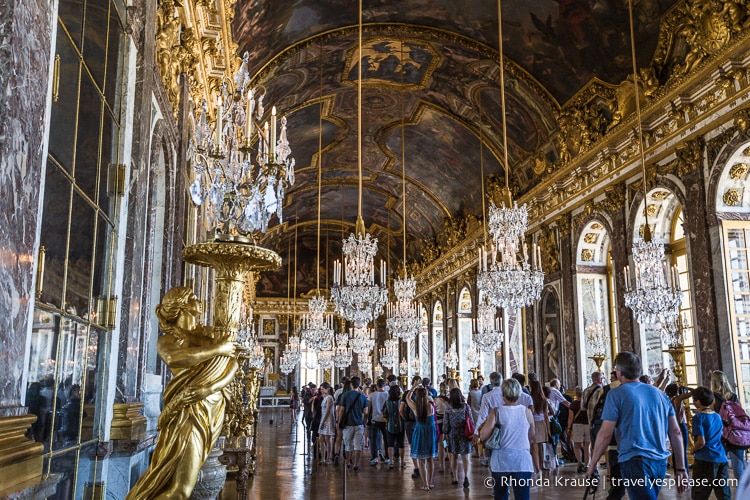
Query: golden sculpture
{"points": [[193, 413]]}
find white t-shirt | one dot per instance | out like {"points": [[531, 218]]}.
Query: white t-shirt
{"points": [[377, 400]]}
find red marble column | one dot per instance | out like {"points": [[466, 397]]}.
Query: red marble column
{"points": [[620, 251], [568, 346]]}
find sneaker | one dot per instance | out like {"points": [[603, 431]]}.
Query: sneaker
{"points": [[374, 461], [383, 459], [466, 482], [483, 461]]}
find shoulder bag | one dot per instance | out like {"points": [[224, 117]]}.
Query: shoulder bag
{"points": [[469, 427], [493, 443], [345, 416]]}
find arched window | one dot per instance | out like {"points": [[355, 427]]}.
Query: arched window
{"points": [[438, 342], [663, 210], [680, 260], [733, 198], [424, 346], [593, 287]]}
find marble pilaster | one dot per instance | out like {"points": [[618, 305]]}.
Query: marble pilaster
{"points": [[705, 314], [26, 32], [625, 332], [569, 365]]}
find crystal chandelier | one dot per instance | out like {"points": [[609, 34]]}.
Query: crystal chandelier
{"points": [[488, 336], [505, 275], [311, 363], [362, 339], [325, 359], [317, 325], [292, 349], [473, 357], [364, 362], [342, 356], [358, 298], [451, 357], [673, 333], [286, 364], [389, 354], [240, 195], [257, 358], [416, 366], [656, 297], [403, 367], [404, 321], [595, 341]]}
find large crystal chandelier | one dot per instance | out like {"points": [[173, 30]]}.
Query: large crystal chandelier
{"points": [[358, 298], [488, 336], [257, 358], [342, 356], [325, 359], [240, 193], [364, 363], [362, 339], [505, 275], [656, 297], [416, 366], [317, 325], [389, 354], [404, 321]]}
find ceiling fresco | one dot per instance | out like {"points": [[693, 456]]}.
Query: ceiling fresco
{"points": [[432, 64]]}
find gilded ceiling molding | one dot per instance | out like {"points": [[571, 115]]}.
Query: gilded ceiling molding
{"points": [[194, 38]]}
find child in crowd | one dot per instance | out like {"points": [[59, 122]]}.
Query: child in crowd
{"points": [[710, 468]]}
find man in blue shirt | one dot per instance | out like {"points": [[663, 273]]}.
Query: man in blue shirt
{"points": [[641, 416], [351, 407]]}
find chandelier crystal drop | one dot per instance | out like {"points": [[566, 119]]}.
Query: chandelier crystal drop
{"points": [[362, 339], [240, 194], [317, 325], [293, 350], [389, 354], [257, 358], [488, 336], [473, 356], [451, 357], [403, 316], [358, 298], [656, 297]]}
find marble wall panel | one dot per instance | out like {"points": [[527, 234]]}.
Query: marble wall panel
{"points": [[26, 31], [568, 335]]}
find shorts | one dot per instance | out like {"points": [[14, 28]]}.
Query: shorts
{"points": [[353, 436], [394, 440], [581, 433]]}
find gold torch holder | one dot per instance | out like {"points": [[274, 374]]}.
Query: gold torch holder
{"points": [[598, 360], [474, 372], [233, 261]]}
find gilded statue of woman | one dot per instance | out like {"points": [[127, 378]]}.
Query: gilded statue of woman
{"points": [[193, 403]]}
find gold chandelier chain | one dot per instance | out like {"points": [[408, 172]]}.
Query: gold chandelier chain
{"points": [[403, 157], [481, 173], [359, 117], [320, 157], [502, 90], [647, 231]]}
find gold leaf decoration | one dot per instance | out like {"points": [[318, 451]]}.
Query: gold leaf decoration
{"points": [[731, 198], [587, 255], [738, 171]]}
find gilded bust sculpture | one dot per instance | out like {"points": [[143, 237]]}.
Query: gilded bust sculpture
{"points": [[193, 402]]}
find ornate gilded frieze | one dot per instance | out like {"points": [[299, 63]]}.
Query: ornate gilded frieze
{"points": [[194, 39]]}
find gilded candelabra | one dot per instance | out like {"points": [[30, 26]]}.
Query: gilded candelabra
{"points": [[474, 372]]}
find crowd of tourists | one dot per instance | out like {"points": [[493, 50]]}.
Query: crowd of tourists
{"points": [[521, 430]]}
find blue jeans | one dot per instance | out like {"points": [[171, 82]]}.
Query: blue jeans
{"points": [[521, 482], [377, 432], [737, 457], [642, 472]]}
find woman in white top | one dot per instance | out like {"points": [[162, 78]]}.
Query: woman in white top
{"points": [[511, 463], [327, 428]]}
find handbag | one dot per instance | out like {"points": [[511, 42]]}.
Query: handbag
{"points": [[554, 426], [469, 427], [493, 443]]}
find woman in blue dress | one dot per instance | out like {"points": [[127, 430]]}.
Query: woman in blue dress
{"points": [[424, 440]]}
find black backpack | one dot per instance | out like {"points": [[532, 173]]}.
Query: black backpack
{"points": [[599, 406], [408, 414]]}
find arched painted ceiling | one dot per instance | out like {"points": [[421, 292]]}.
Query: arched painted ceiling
{"points": [[433, 65]]}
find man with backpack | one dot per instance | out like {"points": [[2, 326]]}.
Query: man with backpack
{"points": [[641, 416], [352, 407]]}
